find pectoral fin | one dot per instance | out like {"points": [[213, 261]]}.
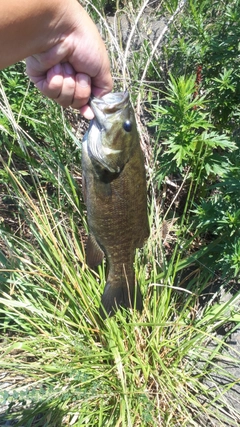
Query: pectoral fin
{"points": [[94, 253]]}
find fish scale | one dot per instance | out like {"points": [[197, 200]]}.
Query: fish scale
{"points": [[114, 184]]}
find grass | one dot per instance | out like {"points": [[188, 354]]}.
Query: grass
{"points": [[60, 365]]}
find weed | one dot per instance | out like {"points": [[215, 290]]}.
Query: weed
{"points": [[62, 365]]}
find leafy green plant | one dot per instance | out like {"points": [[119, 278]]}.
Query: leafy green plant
{"points": [[26, 106], [149, 369], [186, 137], [207, 35], [187, 141], [220, 216]]}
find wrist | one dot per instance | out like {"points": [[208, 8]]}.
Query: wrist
{"points": [[34, 27]]}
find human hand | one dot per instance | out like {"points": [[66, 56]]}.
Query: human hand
{"points": [[74, 65]]}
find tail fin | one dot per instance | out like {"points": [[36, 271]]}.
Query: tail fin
{"points": [[114, 298]]}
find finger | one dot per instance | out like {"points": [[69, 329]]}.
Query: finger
{"points": [[66, 96], [82, 90], [59, 84], [87, 112], [102, 83], [50, 84]]}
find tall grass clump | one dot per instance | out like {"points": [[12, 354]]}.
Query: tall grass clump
{"points": [[135, 369], [60, 364]]}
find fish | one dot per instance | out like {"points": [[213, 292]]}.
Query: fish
{"points": [[115, 194]]}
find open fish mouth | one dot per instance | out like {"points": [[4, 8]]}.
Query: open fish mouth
{"points": [[108, 104]]}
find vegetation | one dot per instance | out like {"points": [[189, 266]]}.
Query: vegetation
{"points": [[60, 365]]}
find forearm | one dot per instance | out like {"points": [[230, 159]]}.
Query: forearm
{"points": [[65, 55], [28, 27]]}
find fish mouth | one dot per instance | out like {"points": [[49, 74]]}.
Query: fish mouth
{"points": [[108, 104], [107, 110]]}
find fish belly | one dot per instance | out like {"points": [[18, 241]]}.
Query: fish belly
{"points": [[118, 223]]}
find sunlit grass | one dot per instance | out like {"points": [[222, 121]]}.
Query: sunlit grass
{"points": [[134, 369], [63, 365]]}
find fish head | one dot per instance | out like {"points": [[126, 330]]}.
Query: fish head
{"points": [[112, 135]]}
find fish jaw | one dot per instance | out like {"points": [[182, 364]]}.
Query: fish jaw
{"points": [[112, 135], [108, 104]]}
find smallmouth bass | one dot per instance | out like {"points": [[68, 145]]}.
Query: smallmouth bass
{"points": [[114, 190]]}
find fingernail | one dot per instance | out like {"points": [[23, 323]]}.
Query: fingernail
{"points": [[68, 68], [83, 80], [57, 69], [87, 112]]}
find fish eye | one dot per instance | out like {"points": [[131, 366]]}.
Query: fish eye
{"points": [[127, 126]]}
